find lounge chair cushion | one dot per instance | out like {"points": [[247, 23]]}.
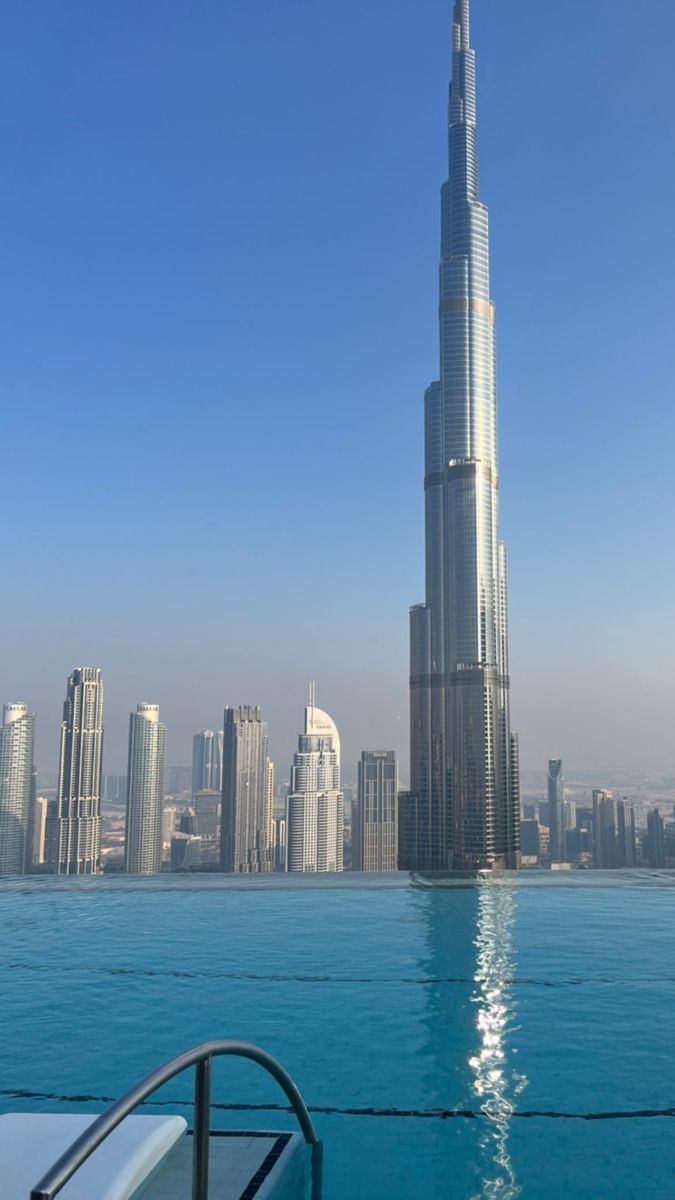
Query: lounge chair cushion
{"points": [[30, 1143]]}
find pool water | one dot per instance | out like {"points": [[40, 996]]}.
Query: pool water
{"points": [[513, 1038]]}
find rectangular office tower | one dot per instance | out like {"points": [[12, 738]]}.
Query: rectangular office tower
{"points": [[556, 809], [462, 812], [16, 768], [207, 761], [244, 846], [145, 792], [74, 826], [375, 819]]}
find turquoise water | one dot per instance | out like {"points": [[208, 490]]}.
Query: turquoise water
{"points": [[509, 1039]]}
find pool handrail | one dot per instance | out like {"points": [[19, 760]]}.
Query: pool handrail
{"points": [[199, 1057]]}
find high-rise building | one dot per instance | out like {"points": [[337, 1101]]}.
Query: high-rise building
{"points": [[38, 834], [35, 812], [244, 848], [556, 809], [375, 816], [16, 766], [170, 819], [269, 806], [604, 830], [114, 789], [145, 791], [656, 840], [461, 750], [178, 780], [207, 762], [530, 839], [408, 827], [315, 803], [625, 834], [206, 806], [74, 824], [279, 844]]}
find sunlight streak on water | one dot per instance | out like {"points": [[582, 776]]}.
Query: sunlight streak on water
{"points": [[495, 1084]]}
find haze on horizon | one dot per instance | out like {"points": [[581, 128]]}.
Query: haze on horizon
{"points": [[219, 254]]}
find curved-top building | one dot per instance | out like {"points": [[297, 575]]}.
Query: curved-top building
{"points": [[463, 808], [315, 804]]}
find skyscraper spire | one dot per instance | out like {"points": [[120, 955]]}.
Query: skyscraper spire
{"points": [[463, 810], [461, 25]]}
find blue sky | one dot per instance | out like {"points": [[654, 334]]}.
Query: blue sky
{"points": [[218, 269]]}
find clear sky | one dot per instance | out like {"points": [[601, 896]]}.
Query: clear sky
{"points": [[219, 238]]}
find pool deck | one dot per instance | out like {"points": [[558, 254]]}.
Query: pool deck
{"points": [[242, 1166]]}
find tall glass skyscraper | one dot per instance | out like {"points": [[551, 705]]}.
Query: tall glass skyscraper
{"points": [[74, 826], [463, 807], [145, 792], [244, 847], [207, 761]]}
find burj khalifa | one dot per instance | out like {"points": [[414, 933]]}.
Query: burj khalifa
{"points": [[462, 812]]}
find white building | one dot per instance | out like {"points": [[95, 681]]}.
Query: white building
{"points": [[16, 765], [38, 832], [145, 792], [315, 804]]}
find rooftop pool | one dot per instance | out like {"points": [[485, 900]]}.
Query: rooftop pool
{"points": [[507, 1038]]}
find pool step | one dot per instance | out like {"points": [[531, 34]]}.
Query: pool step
{"points": [[242, 1166]]}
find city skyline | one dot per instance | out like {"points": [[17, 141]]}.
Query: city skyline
{"points": [[97, 329], [253, 827]]}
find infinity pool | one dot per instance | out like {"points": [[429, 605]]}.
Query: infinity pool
{"points": [[513, 1038]]}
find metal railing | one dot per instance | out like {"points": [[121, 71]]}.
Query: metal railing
{"points": [[199, 1057]]}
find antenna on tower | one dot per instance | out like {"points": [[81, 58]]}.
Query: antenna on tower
{"points": [[312, 695]]}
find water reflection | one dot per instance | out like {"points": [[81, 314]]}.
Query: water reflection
{"points": [[496, 1085], [469, 1022]]}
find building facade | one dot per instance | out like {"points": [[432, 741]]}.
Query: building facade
{"points": [[462, 774], [626, 838], [604, 830], [656, 839], [207, 761], [269, 806], [556, 809], [145, 791], [315, 803], [206, 806], [37, 835], [74, 824], [16, 772], [244, 847], [375, 814]]}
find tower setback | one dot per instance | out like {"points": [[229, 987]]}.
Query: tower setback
{"points": [[74, 826], [462, 811]]}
